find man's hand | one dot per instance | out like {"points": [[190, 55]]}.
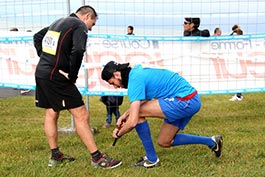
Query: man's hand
{"points": [[114, 133], [122, 119], [64, 74]]}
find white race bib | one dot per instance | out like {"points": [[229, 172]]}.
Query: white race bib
{"points": [[50, 42]]}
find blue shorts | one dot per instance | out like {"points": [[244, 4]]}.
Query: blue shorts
{"points": [[179, 113]]}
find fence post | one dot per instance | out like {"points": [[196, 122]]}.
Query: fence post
{"points": [[72, 128]]}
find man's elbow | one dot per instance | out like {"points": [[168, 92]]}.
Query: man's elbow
{"points": [[79, 51]]}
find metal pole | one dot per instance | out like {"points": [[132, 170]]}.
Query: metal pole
{"points": [[94, 129], [86, 85], [68, 13], [68, 7], [83, 2], [72, 128]]}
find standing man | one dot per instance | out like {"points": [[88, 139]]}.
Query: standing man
{"points": [[157, 93], [191, 28], [237, 31], [61, 47], [130, 30], [234, 30]]}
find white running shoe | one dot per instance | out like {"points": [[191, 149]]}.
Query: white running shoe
{"points": [[235, 98], [144, 162]]}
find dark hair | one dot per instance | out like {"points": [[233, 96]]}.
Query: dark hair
{"points": [[195, 21], [216, 29], [112, 67], [87, 9], [131, 27], [235, 27]]}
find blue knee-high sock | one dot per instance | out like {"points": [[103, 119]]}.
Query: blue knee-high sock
{"points": [[182, 139], [144, 134]]}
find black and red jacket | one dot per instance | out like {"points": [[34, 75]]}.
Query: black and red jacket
{"points": [[71, 45]]}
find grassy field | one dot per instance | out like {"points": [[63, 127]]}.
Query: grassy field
{"points": [[25, 152]]}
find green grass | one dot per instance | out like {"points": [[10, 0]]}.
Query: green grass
{"points": [[25, 152]]}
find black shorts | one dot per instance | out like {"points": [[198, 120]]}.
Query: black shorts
{"points": [[57, 95]]}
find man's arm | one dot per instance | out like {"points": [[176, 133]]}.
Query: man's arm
{"points": [[132, 118], [37, 38], [79, 47]]}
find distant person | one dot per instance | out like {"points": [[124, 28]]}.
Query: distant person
{"points": [[234, 29], [13, 29], [112, 104], [217, 32], [237, 31], [130, 30], [61, 48], [22, 92], [191, 28]]}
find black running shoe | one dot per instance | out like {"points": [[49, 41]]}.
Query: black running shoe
{"points": [[144, 162], [217, 149], [106, 162], [63, 158]]}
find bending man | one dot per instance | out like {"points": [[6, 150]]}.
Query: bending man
{"points": [[157, 93]]}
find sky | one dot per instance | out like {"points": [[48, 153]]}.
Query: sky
{"points": [[149, 17]]}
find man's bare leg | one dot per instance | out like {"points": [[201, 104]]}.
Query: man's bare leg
{"points": [[50, 127], [80, 115]]}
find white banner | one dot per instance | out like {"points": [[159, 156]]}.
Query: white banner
{"points": [[225, 64]]}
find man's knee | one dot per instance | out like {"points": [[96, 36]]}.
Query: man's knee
{"points": [[80, 114], [164, 143], [82, 117]]}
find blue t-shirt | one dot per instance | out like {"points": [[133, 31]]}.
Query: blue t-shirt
{"points": [[151, 83]]}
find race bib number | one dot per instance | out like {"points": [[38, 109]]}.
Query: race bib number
{"points": [[50, 42]]}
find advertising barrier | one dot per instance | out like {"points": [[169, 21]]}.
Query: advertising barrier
{"points": [[214, 65]]}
